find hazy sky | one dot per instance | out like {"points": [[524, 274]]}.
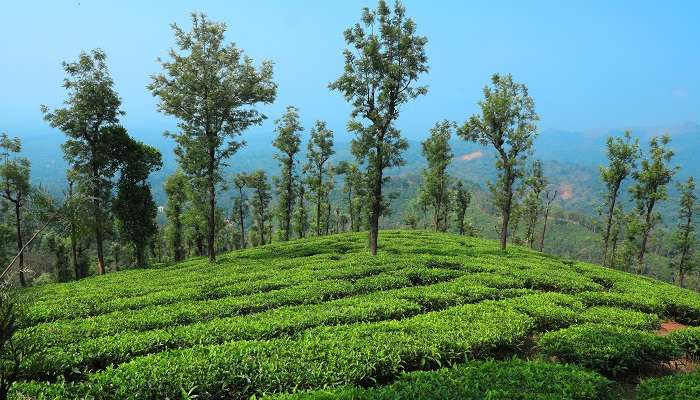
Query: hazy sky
{"points": [[588, 64]]}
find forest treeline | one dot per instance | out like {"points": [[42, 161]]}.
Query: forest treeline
{"points": [[107, 218]]}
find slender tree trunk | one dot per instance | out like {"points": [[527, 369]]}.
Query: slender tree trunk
{"points": [[211, 229], [240, 217], [328, 216], [608, 226], [506, 209], [645, 238], [74, 250], [318, 201], [613, 252], [544, 228], [177, 240], [376, 205], [140, 256], [290, 198], [351, 212], [20, 241]]}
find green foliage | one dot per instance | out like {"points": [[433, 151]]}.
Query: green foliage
{"points": [[674, 387], [621, 317], [89, 120], [212, 88], [319, 150], [611, 350], [684, 239], [688, 340], [260, 207], [176, 188], [650, 188], [508, 123], [320, 314], [622, 157], [535, 183], [384, 59], [435, 191], [288, 143]]}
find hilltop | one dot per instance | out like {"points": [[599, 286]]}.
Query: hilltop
{"points": [[432, 316]]}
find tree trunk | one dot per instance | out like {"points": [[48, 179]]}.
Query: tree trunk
{"points": [[290, 198], [328, 216], [140, 256], [376, 205], [645, 238], [240, 217], [506, 209], [318, 201], [350, 209], [177, 240], [20, 241], [608, 226], [211, 229], [544, 228]]}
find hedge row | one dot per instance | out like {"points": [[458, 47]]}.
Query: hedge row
{"points": [[478, 380], [324, 357], [611, 350]]}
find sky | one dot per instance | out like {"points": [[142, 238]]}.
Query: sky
{"points": [[588, 64]]}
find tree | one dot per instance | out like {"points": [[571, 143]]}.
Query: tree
{"points": [[650, 188], [622, 158], [508, 123], [319, 151], [175, 187], [353, 187], [134, 206], [684, 239], [301, 216], [462, 201], [76, 212], [11, 351], [240, 206], [288, 143], [15, 188], [549, 197], [384, 59], [90, 120], [212, 88], [260, 204], [536, 182], [435, 191]]}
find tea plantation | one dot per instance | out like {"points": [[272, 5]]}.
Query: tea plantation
{"points": [[432, 316]]}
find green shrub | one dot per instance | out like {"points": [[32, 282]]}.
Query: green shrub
{"points": [[477, 380], [334, 356], [611, 350], [688, 339], [674, 387], [617, 316], [550, 310]]}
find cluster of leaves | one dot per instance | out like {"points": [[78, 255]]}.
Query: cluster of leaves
{"points": [[674, 387], [611, 350], [688, 339], [495, 380]]}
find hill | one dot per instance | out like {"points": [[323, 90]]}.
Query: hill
{"points": [[323, 318]]}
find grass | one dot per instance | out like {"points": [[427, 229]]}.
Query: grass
{"points": [[323, 318]]}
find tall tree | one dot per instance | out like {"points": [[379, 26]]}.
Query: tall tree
{"points": [[15, 188], [435, 191], [684, 239], [288, 143], [212, 88], [301, 216], [318, 152], [462, 200], [549, 197], [622, 158], [77, 210], [89, 120], [134, 206], [650, 187], [536, 183], [384, 59], [240, 205], [508, 123], [175, 187], [260, 204], [353, 188]]}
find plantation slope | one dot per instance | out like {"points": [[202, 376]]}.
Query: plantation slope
{"points": [[323, 318]]}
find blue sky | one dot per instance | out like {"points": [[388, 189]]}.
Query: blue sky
{"points": [[589, 64]]}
